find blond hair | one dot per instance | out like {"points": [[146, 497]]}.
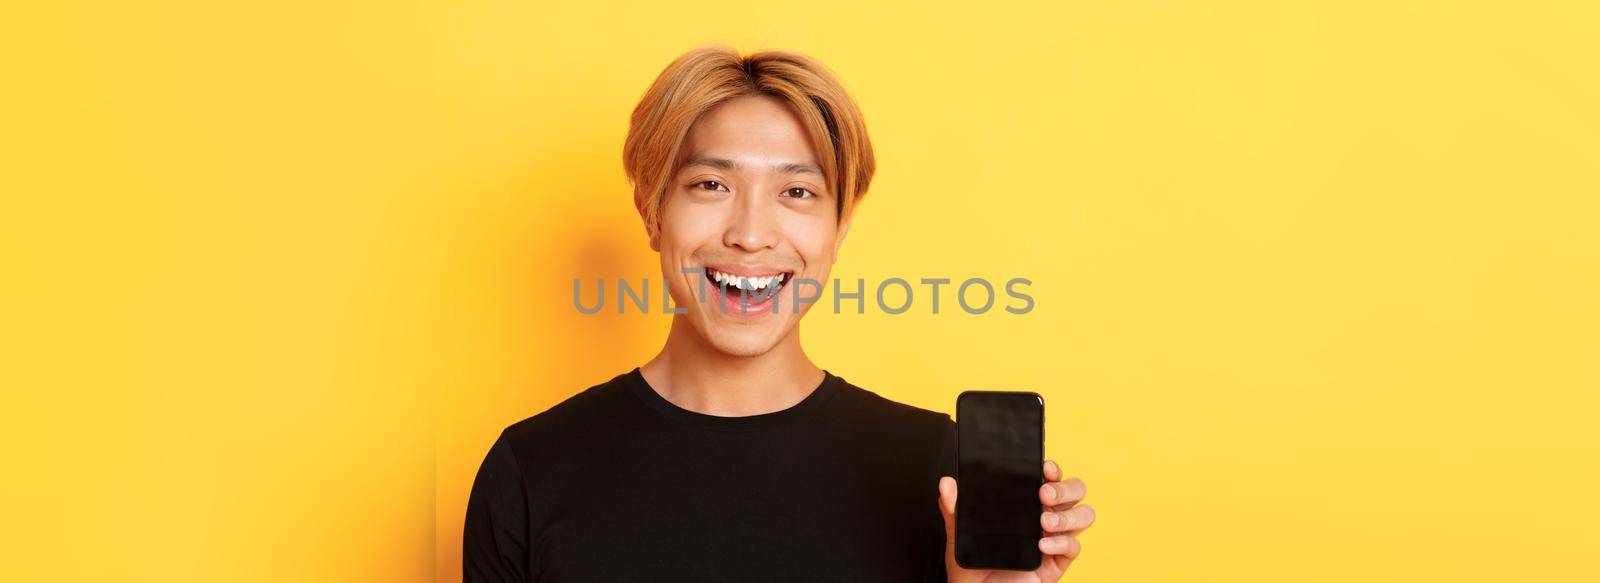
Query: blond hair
{"points": [[710, 75]]}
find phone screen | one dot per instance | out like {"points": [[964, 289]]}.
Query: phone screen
{"points": [[1001, 449]]}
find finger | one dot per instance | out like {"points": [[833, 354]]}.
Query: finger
{"points": [[1053, 567], [1062, 495], [947, 495], [947, 507], [1063, 546], [1074, 519], [1052, 472]]}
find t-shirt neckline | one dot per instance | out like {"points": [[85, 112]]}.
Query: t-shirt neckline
{"points": [[648, 395]]}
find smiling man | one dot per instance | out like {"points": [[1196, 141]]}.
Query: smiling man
{"points": [[730, 455]]}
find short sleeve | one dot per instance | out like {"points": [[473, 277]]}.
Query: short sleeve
{"points": [[495, 540]]}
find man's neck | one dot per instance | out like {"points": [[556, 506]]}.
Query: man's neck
{"points": [[694, 375]]}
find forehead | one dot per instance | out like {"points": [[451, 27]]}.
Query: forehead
{"points": [[758, 128]]}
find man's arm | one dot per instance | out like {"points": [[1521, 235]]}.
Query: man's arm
{"points": [[495, 542]]}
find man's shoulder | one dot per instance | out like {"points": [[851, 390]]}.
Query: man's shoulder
{"points": [[902, 428], [578, 411], [867, 402]]}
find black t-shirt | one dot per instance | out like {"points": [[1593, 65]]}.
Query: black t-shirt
{"points": [[618, 484]]}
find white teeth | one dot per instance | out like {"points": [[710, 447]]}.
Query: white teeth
{"points": [[745, 283]]}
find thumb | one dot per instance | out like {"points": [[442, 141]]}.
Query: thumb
{"points": [[947, 506]]}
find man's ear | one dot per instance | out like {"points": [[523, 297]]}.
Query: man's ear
{"points": [[655, 238], [844, 229]]}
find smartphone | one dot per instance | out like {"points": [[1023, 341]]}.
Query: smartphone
{"points": [[1000, 443]]}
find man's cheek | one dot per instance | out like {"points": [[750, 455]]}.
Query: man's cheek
{"points": [[802, 298]]}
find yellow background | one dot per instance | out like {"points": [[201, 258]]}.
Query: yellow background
{"points": [[1316, 282]]}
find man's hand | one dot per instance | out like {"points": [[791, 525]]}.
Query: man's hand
{"points": [[1060, 524]]}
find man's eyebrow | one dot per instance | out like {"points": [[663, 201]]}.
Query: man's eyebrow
{"points": [[718, 163], [730, 165], [795, 168]]}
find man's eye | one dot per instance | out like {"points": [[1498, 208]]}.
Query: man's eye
{"points": [[798, 192], [713, 185]]}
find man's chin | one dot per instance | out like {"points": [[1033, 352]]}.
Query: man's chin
{"points": [[743, 343]]}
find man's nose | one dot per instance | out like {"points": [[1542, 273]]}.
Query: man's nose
{"points": [[753, 226]]}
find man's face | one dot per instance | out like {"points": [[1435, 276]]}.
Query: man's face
{"points": [[748, 201]]}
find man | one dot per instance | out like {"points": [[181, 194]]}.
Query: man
{"points": [[730, 456]]}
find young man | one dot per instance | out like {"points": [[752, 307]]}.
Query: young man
{"points": [[730, 456]]}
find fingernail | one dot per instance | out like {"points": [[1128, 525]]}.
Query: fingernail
{"points": [[1051, 519], [1048, 493]]}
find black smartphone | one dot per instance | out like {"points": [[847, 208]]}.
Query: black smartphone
{"points": [[1000, 440]]}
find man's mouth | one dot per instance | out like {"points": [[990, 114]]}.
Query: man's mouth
{"points": [[750, 291]]}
